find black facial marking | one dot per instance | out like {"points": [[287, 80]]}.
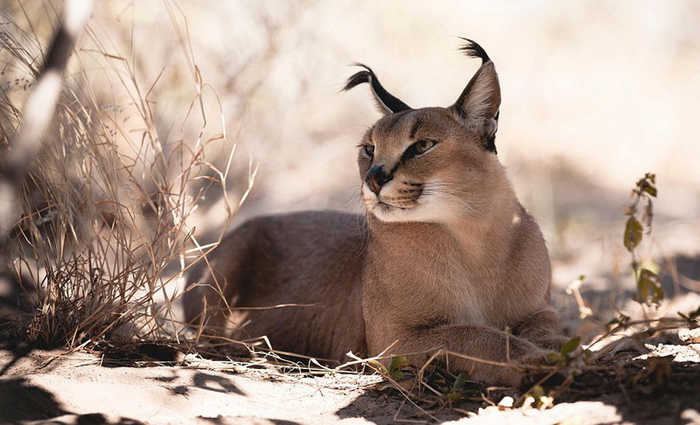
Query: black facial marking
{"points": [[413, 150], [416, 125]]}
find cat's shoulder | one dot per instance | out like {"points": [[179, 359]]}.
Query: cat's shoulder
{"points": [[314, 224]]}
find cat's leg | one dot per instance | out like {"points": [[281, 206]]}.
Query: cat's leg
{"points": [[543, 328], [495, 355]]}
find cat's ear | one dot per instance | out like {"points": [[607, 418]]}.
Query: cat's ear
{"points": [[477, 106], [386, 102]]}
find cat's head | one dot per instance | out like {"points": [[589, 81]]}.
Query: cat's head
{"points": [[433, 164]]}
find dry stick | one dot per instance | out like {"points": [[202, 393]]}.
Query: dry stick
{"points": [[358, 360], [38, 112], [250, 348], [629, 324], [407, 394], [421, 371], [493, 362]]}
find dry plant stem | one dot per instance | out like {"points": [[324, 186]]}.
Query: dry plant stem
{"points": [[495, 363], [623, 326], [38, 111], [357, 360], [421, 371], [405, 393], [254, 350], [94, 272]]}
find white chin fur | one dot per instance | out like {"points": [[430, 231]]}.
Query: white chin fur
{"points": [[425, 212]]}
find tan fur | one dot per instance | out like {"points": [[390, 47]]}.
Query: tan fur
{"points": [[446, 257]]}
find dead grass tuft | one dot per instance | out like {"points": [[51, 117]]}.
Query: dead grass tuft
{"points": [[105, 231]]}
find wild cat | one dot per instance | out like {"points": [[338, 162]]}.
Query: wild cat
{"points": [[444, 257]]}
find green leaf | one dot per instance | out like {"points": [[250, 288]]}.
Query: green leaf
{"points": [[397, 363], [658, 293], [553, 358], [570, 346], [650, 266], [648, 285], [633, 233], [647, 184], [454, 397], [536, 392], [651, 190], [460, 382]]}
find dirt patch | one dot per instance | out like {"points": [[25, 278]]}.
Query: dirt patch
{"points": [[76, 388]]}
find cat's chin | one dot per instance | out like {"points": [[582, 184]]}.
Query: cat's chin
{"points": [[421, 210], [392, 214]]}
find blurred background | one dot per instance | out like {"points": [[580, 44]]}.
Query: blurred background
{"points": [[595, 94]]}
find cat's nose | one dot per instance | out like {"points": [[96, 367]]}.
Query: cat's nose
{"points": [[376, 178]]}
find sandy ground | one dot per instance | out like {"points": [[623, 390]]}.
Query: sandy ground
{"points": [[83, 388]]}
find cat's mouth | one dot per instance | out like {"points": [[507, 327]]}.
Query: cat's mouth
{"points": [[386, 204], [388, 207], [392, 200], [393, 210]]}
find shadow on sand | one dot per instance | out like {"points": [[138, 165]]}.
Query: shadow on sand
{"points": [[21, 401]]}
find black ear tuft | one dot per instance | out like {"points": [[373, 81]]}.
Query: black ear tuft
{"points": [[478, 105], [358, 78], [472, 49], [386, 102]]}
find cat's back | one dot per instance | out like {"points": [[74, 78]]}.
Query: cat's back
{"points": [[285, 255], [311, 259], [305, 234]]}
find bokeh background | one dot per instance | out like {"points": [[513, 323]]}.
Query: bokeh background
{"points": [[595, 94]]}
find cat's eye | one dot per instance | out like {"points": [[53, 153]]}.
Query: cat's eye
{"points": [[368, 150], [419, 148], [424, 146]]}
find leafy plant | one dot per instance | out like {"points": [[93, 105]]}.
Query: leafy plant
{"points": [[646, 273], [566, 352], [456, 391], [397, 364]]}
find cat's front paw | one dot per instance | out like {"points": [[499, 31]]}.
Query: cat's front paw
{"points": [[537, 359]]}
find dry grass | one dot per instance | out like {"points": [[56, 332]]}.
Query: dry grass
{"points": [[105, 232]]}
